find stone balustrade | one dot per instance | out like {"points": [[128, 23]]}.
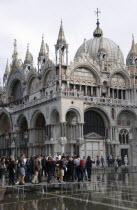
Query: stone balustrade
{"points": [[74, 94]]}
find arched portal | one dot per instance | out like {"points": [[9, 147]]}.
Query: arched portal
{"points": [[5, 127], [39, 133], [40, 121], [94, 123], [23, 140], [4, 123]]}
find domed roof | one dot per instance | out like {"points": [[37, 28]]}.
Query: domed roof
{"points": [[92, 47]]}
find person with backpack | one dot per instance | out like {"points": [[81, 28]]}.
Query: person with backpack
{"points": [[89, 167], [81, 170]]}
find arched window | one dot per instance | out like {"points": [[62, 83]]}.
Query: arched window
{"points": [[17, 90], [94, 123], [124, 137]]}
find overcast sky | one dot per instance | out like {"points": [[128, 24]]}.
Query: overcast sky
{"points": [[27, 20]]}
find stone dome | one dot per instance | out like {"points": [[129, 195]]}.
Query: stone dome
{"points": [[92, 47]]}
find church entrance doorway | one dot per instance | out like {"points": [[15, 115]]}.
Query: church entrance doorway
{"points": [[94, 134]]}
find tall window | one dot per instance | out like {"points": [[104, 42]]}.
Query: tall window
{"points": [[124, 137]]}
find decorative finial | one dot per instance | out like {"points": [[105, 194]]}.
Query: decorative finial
{"points": [[61, 36], [28, 46], [97, 13], [42, 48], [98, 32], [42, 37], [133, 47]]}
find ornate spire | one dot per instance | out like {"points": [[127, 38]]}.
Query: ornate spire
{"points": [[27, 58], [42, 48], [7, 69], [61, 36], [98, 32], [133, 47], [15, 54]]}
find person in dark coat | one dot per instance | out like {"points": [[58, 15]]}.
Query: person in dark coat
{"points": [[11, 169], [49, 168], [70, 170], [88, 166]]}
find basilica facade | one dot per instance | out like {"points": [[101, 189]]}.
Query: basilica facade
{"points": [[86, 107]]}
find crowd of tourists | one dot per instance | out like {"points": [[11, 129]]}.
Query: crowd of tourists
{"points": [[61, 168]]}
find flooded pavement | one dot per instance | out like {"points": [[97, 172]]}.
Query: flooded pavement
{"points": [[104, 192]]}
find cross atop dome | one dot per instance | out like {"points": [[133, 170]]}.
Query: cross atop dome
{"points": [[98, 32], [97, 13]]}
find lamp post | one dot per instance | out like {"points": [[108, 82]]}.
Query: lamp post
{"points": [[15, 138], [8, 142]]}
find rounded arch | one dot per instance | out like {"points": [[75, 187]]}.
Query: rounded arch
{"points": [[31, 78], [48, 77], [123, 74], [96, 121], [54, 116], [5, 125], [22, 122], [16, 90], [34, 116], [4, 111], [40, 121], [102, 112], [92, 68], [76, 112], [126, 117]]}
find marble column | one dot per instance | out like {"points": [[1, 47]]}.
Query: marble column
{"points": [[86, 90], [113, 93], [109, 92], [91, 91]]}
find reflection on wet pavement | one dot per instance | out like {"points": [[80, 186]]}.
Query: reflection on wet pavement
{"points": [[106, 191]]}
